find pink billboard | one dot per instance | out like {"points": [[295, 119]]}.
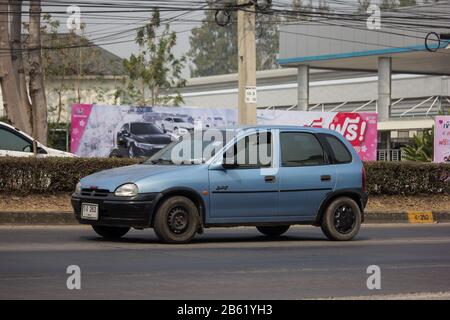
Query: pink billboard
{"points": [[360, 129], [442, 139]]}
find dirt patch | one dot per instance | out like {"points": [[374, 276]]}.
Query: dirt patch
{"points": [[439, 202], [61, 203], [35, 203]]}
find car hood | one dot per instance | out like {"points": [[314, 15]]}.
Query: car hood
{"points": [[153, 138], [57, 153], [113, 178]]}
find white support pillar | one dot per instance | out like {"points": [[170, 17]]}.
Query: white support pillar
{"points": [[384, 88], [303, 88]]}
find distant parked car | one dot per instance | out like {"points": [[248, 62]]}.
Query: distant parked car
{"points": [[177, 125], [15, 143], [139, 139]]}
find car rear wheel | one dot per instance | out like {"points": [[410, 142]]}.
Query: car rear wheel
{"points": [[112, 233], [273, 231], [177, 220], [342, 219]]}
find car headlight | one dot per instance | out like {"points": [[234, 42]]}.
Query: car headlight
{"points": [[127, 190], [143, 145], [78, 188]]}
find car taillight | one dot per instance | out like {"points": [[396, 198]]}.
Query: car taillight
{"points": [[363, 178]]}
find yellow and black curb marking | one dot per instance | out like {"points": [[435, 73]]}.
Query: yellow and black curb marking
{"points": [[420, 217], [407, 217]]}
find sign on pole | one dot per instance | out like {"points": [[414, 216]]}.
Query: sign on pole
{"points": [[250, 95], [442, 139]]}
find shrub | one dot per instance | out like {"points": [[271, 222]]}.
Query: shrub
{"points": [[55, 175], [407, 178], [50, 175]]}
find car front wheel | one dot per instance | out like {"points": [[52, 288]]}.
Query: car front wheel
{"points": [[177, 220], [111, 233], [342, 219], [273, 231]]}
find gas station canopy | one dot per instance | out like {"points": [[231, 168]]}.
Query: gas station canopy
{"points": [[351, 45]]}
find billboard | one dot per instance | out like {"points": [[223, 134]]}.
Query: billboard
{"points": [[127, 131], [360, 129], [442, 139]]}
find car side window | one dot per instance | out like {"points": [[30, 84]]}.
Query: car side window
{"points": [[340, 151], [300, 149], [126, 128], [13, 142], [252, 152]]}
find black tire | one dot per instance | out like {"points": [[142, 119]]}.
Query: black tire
{"points": [[111, 233], [341, 220], [273, 231], [177, 220], [118, 153]]}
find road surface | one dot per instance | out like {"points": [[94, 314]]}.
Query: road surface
{"points": [[225, 264]]}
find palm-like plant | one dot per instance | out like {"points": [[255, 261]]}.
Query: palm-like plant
{"points": [[421, 148]]}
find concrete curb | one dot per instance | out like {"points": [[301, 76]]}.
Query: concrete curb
{"points": [[37, 218], [67, 218]]}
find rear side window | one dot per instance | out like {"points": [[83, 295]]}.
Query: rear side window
{"points": [[12, 142], [340, 151], [299, 149]]}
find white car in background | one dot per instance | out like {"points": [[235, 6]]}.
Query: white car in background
{"points": [[176, 125], [15, 143]]}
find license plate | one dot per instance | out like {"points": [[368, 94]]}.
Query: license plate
{"points": [[89, 211]]}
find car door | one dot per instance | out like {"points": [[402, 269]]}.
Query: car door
{"points": [[13, 144], [305, 175], [249, 191]]}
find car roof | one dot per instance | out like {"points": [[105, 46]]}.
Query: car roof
{"points": [[277, 127]]}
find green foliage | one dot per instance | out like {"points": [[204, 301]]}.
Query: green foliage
{"points": [[50, 175], [388, 4], [214, 49], [421, 149], [54, 175], [155, 70], [407, 178], [363, 5]]}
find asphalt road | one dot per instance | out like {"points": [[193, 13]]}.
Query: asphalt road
{"points": [[225, 264]]}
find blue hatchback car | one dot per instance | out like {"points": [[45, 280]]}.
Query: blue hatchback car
{"points": [[303, 176]]}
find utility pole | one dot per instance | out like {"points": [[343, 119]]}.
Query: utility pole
{"points": [[246, 12], [247, 62]]}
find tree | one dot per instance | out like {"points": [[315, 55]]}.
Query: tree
{"points": [[18, 64], [214, 49], [388, 4], [36, 87], [363, 5], [155, 69], [8, 82], [407, 3], [421, 148], [30, 116]]}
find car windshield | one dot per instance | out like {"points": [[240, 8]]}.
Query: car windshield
{"points": [[192, 148], [178, 120], [144, 128]]}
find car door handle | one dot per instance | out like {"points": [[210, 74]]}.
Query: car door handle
{"points": [[270, 179], [325, 178]]}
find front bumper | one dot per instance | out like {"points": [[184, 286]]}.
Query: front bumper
{"points": [[135, 212]]}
